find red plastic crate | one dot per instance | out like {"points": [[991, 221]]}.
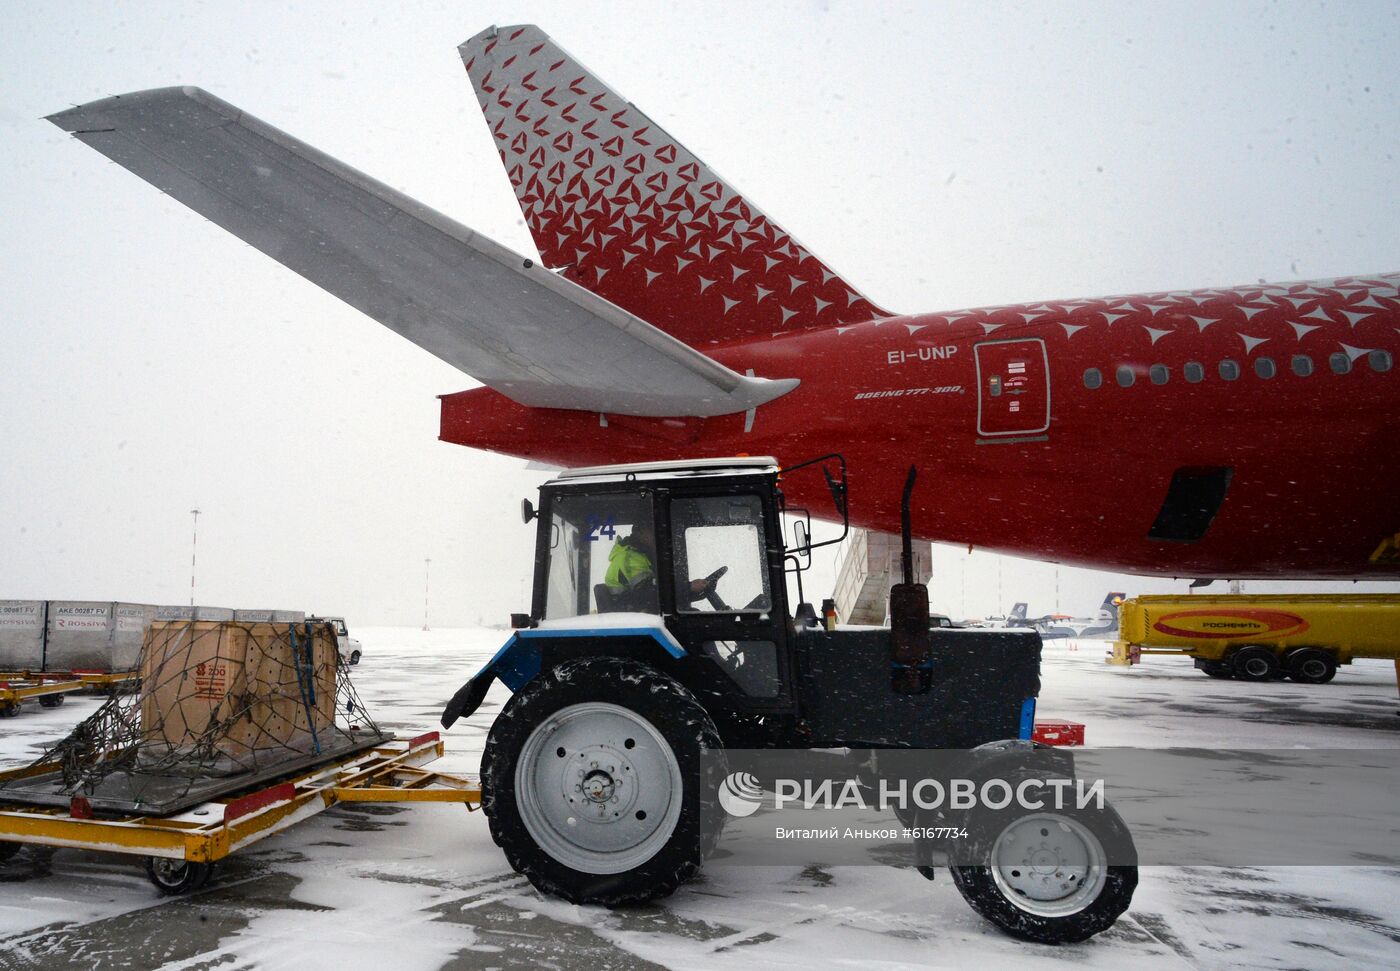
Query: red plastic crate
{"points": [[1059, 733]]}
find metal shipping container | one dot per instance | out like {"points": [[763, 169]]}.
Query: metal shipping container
{"points": [[129, 633], [183, 612], [270, 616], [98, 635], [95, 635], [21, 635]]}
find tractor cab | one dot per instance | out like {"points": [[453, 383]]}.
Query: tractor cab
{"points": [[600, 551], [694, 550]]}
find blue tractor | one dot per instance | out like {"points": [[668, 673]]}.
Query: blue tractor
{"points": [[660, 629]]}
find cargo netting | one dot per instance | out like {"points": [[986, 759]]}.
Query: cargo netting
{"points": [[218, 705]]}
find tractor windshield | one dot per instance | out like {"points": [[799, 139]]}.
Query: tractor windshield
{"points": [[718, 545], [602, 555]]}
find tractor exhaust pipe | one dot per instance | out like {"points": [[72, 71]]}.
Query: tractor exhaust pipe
{"points": [[909, 633], [905, 530]]}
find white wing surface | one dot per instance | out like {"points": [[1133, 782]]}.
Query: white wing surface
{"points": [[517, 327]]}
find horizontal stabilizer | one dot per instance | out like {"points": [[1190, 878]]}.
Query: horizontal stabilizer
{"points": [[517, 327]]}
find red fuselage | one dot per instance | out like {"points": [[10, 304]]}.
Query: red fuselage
{"points": [[1021, 450]]}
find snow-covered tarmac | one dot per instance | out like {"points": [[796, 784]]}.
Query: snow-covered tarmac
{"points": [[424, 887]]}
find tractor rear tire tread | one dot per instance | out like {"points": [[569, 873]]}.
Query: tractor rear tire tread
{"points": [[672, 709]]}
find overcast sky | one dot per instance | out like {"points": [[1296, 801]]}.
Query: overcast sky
{"points": [[938, 156]]}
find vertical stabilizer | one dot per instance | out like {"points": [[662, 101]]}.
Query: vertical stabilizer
{"points": [[1107, 621], [624, 209]]}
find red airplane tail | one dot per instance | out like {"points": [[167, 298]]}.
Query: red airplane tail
{"points": [[628, 212]]}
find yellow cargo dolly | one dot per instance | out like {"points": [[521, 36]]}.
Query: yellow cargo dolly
{"points": [[180, 849], [49, 687], [15, 691]]}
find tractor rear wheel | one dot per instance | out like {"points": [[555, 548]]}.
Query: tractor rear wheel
{"points": [[592, 783]]}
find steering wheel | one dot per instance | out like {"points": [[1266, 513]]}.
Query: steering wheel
{"points": [[710, 593]]}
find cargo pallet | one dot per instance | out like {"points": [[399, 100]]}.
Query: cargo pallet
{"points": [[181, 849], [49, 687]]}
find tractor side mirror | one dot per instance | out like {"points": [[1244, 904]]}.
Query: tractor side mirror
{"points": [[836, 485], [527, 511], [801, 538]]}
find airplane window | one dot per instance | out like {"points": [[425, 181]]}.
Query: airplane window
{"points": [[1302, 365], [1264, 367], [1158, 373], [1125, 376], [1193, 372], [1093, 378], [1341, 364], [1229, 370], [1380, 361]]}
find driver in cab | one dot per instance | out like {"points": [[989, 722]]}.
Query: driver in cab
{"points": [[631, 574]]}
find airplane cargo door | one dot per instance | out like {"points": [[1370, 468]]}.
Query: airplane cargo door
{"points": [[1013, 387]]}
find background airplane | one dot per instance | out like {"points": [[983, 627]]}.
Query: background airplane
{"points": [[1052, 626], [1252, 427]]}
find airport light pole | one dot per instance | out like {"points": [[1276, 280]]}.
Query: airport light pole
{"points": [[426, 564], [194, 548]]}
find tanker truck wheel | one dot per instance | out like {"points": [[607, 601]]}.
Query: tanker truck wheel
{"points": [[1310, 665], [1057, 876], [592, 782], [1215, 669], [1255, 663]]}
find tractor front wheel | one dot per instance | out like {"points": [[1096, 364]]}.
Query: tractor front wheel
{"points": [[592, 782], [1052, 876]]}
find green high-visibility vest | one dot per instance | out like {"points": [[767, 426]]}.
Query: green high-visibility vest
{"points": [[627, 567]]}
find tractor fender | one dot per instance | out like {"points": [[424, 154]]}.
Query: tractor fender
{"points": [[996, 758], [517, 663]]}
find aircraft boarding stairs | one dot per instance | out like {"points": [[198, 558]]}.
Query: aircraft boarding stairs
{"points": [[870, 563]]}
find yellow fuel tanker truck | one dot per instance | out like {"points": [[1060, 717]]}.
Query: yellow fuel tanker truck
{"points": [[1261, 637]]}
